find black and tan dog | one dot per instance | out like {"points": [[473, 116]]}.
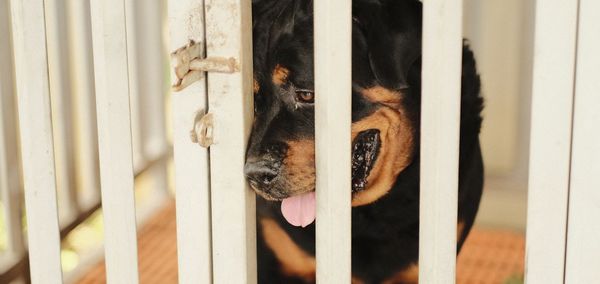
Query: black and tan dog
{"points": [[280, 165]]}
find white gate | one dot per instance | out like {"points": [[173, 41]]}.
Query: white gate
{"points": [[213, 77]]}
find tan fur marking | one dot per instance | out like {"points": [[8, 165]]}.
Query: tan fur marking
{"points": [[410, 275], [395, 153], [256, 87], [294, 261], [299, 165], [280, 75], [384, 96]]}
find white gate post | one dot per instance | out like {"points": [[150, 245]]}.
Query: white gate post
{"points": [[333, 117], [114, 139], [583, 247], [440, 132], [84, 101], [229, 35], [550, 151], [10, 165], [29, 35], [62, 119], [153, 86], [148, 87], [186, 22]]}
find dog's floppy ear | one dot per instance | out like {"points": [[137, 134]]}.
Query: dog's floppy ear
{"points": [[394, 42], [272, 20]]}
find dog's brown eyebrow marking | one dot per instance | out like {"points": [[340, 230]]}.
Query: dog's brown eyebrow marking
{"points": [[384, 96], [280, 75], [294, 261]]}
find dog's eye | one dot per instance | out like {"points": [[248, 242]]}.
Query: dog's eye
{"points": [[305, 96]]}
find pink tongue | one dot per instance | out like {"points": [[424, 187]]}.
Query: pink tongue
{"points": [[299, 210]]}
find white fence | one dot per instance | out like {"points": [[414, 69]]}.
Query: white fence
{"points": [[215, 208], [52, 65]]}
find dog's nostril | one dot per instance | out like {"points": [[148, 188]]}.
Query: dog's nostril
{"points": [[259, 174]]}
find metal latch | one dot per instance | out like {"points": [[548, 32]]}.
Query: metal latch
{"points": [[189, 65], [202, 130]]}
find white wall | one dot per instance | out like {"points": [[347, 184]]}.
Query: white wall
{"points": [[501, 35]]}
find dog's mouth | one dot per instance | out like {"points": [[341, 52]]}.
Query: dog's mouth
{"points": [[365, 149], [300, 210]]}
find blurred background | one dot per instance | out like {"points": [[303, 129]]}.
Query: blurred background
{"points": [[499, 31]]}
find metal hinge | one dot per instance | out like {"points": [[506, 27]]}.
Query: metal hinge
{"points": [[189, 65]]}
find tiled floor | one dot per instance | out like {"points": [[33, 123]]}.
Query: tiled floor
{"points": [[489, 256]]}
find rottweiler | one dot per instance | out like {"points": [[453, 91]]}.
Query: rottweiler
{"points": [[386, 96]]}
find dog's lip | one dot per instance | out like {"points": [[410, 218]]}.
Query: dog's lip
{"points": [[365, 149], [275, 195], [286, 196], [267, 195]]}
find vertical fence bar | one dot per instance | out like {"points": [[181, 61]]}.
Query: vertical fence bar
{"points": [[333, 106], [10, 165], [151, 85], [10, 185], [135, 96], [553, 82], [152, 76], [583, 247], [114, 139], [84, 99], [229, 35], [29, 35], [440, 124], [60, 95], [186, 22]]}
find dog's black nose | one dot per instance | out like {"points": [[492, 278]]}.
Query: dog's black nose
{"points": [[259, 173]]}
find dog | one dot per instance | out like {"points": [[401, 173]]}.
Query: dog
{"points": [[386, 97]]}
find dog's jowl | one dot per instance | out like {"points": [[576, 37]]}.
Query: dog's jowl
{"points": [[386, 80]]}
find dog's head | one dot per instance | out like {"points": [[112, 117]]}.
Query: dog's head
{"points": [[281, 152]]}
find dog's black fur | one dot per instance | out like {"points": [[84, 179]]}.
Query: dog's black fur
{"points": [[386, 53]]}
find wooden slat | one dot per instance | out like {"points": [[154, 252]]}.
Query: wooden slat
{"points": [[10, 165], [84, 102], [229, 34], [440, 123], [583, 247], [114, 139], [191, 160], [60, 96], [554, 63], [333, 108], [37, 149]]}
